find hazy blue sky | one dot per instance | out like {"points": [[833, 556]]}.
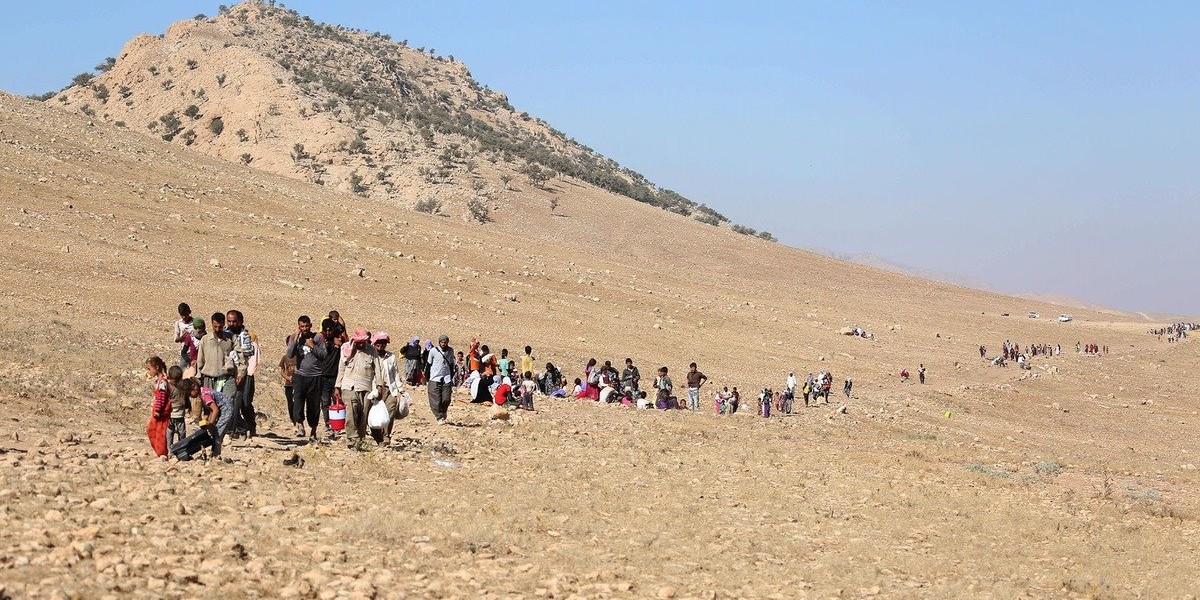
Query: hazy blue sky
{"points": [[1049, 147]]}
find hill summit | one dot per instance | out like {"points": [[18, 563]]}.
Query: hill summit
{"points": [[347, 109]]}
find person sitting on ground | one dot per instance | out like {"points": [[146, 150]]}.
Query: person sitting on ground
{"points": [[578, 390], [643, 402], [551, 380], [504, 393], [627, 397], [903, 375]]}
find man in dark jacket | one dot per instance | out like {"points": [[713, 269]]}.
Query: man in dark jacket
{"points": [[310, 352]]}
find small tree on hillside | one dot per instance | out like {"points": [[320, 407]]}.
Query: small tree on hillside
{"points": [[82, 79], [553, 205], [106, 65], [479, 210]]}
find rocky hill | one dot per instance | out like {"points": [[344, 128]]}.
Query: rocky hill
{"points": [[354, 111]]}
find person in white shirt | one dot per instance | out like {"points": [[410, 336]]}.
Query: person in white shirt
{"points": [[393, 391], [439, 360]]}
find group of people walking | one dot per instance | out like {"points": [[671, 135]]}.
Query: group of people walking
{"points": [[356, 387]]}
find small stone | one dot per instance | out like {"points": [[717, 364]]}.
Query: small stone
{"points": [[214, 263], [666, 591]]}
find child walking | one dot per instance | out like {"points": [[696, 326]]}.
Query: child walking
{"points": [[156, 428], [180, 407]]}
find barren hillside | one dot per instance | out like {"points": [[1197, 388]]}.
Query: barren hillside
{"points": [[347, 109], [1074, 479]]}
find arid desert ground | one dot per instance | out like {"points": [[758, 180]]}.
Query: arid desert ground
{"points": [[1074, 479]]}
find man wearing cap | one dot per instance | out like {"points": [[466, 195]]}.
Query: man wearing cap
{"points": [[358, 375], [439, 362]]}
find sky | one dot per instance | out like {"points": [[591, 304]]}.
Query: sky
{"points": [[1039, 147]]}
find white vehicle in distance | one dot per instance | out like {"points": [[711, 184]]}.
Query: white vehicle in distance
{"points": [[1064, 318], [1033, 315]]}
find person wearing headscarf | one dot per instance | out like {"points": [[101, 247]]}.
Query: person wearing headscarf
{"points": [[359, 374]]}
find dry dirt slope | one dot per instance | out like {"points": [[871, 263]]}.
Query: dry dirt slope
{"points": [[103, 232]]}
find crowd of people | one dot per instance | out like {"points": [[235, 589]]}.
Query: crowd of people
{"points": [[1175, 332], [352, 385]]}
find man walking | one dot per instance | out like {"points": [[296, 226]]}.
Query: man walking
{"points": [[358, 375], [308, 349], [212, 360], [695, 379], [439, 361], [243, 395], [921, 373], [329, 368]]}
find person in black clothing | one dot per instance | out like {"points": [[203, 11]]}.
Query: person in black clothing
{"points": [[329, 367]]}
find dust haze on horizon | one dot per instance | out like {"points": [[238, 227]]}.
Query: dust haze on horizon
{"points": [[1045, 150]]}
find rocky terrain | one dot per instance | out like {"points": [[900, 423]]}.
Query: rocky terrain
{"points": [[351, 110], [1074, 479]]}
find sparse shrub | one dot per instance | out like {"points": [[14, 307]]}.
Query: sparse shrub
{"points": [[220, 80], [506, 179], [82, 79], [246, 158], [242, 135], [100, 91], [298, 153], [742, 229], [168, 84], [707, 219], [356, 184], [170, 122], [429, 206], [478, 185], [42, 97], [766, 235], [87, 110], [192, 111], [479, 210], [223, 10], [120, 124], [216, 126], [189, 136], [153, 70], [553, 205], [200, 17], [124, 91], [1047, 468], [106, 65], [192, 64]]}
